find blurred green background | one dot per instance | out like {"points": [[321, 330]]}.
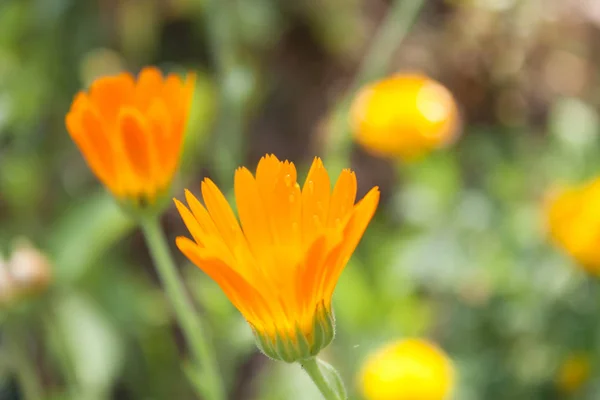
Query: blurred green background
{"points": [[457, 252]]}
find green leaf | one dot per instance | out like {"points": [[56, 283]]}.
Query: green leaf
{"points": [[92, 344], [85, 234]]}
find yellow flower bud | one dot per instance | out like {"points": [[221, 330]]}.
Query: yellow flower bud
{"points": [[573, 373], [405, 115], [573, 219], [411, 369]]}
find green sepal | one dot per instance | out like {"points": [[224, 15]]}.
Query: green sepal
{"points": [[298, 345], [142, 206]]}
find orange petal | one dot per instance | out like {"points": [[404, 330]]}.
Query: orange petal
{"points": [[208, 233], [342, 198], [110, 93], [284, 204], [149, 86], [353, 232], [309, 274], [172, 92], [325, 271], [221, 213], [135, 137], [168, 149], [253, 216], [206, 223], [266, 174], [99, 138], [243, 296], [316, 193], [177, 101], [190, 222], [80, 101], [186, 98], [86, 146]]}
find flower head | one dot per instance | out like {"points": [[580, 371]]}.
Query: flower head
{"points": [[130, 132], [410, 369], [30, 269], [280, 264], [27, 273], [573, 372], [406, 116], [573, 219]]}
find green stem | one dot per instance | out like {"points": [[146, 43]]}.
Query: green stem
{"points": [[391, 33], [235, 87], [69, 371], [27, 376], [329, 390], [195, 334], [393, 30]]}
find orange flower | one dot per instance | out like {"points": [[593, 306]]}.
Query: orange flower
{"points": [[131, 132], [406, 116], [281, 265], [573, 217]]}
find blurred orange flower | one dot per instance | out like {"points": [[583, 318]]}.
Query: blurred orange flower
{"points": [[130, 132], [573, 219], [410, 369], [405, 115], [280, 266]]}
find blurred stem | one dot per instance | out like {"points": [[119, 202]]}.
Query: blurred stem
{"points": [[195, 334], [392, 31], [27, 376], [228, 134], [220, 32], [329, 390], [228, 140], [399, 19], [52, 329]]}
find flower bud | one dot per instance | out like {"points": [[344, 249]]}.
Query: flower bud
{"points": [[408, 370], [404, 116], [291, 346], [573, 223], [573, 373], [29, 269]]}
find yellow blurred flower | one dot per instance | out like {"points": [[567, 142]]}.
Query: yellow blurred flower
{"points": [[573, 373], [280, 264], [130, 132], [405, 115], [410, 369], [573, 219]]}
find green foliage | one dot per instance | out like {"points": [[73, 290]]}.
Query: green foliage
{"points": [[458, 249]]}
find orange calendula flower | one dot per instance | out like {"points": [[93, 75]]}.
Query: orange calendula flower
{"points": [[573, 219], [280, 264], [130, 132], [406, 116], [410, 369]]}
